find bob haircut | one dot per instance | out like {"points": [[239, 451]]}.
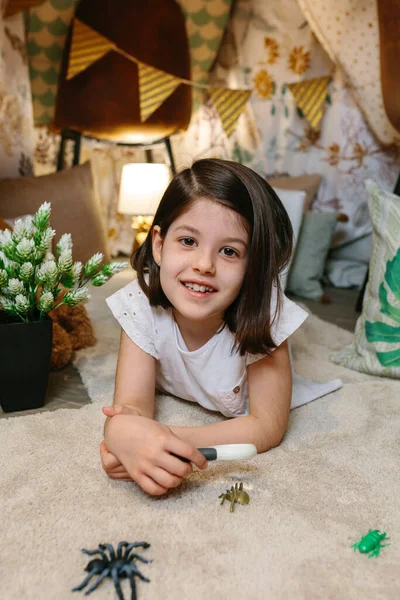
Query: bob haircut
{"points": [[270, 244]]}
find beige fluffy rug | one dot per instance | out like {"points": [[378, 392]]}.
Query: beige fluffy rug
{"points": [[335, 476]]}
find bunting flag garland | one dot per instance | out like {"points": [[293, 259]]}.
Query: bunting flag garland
{"points": [[15, 6], [229, 105], [310, 96], [154, 87], [87, 46]]}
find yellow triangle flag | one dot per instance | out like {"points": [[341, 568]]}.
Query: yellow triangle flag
{"points": [[15, 6], [229, 104], [87, 46], [155, 86], [310, 96]]}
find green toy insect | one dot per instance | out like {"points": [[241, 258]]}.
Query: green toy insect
{"points": [[371, 543], [235, 494]]}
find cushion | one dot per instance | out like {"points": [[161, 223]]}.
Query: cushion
{"points": [[75, 207], [376, 345], [308, 183], [309, 261], [345, 273], [347, 265], [293, 201]]}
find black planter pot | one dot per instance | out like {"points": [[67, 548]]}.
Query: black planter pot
{"points": [[25, 358]]}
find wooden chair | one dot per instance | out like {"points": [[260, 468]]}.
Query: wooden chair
{"points": [[102, 102]]}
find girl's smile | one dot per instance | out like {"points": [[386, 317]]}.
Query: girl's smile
{"points": [[202, 261]]}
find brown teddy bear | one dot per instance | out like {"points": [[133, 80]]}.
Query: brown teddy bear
{"points": [[72, 330]]}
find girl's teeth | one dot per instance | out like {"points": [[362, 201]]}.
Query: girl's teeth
{"points": [[198, 288]]}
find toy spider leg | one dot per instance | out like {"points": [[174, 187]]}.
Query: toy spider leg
{"points": [[130, 571], [119, 565], [97, 569]]}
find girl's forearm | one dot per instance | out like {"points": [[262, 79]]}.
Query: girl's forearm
{"points": [[239, 430]]}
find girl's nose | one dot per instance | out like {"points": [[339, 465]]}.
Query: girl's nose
{"points": [[204, 263]]}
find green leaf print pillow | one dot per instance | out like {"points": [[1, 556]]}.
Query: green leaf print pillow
{"points": [[376, 345]]}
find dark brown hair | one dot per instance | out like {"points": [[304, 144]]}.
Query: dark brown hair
{"points": [[270, 243]]}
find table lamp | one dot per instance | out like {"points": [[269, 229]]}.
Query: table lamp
{"points": [[141, 189]]}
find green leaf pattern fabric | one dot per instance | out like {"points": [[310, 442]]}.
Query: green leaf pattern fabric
{"points": [[376, 345], [47, 26]]}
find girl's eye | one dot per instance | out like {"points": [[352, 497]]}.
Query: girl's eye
{"points": [[229, 252], [187, 241]]}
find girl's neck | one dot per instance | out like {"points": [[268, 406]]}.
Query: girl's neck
{"points": [[196, 334]]}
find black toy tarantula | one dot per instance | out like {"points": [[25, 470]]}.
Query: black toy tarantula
{"points": [[118, 566]]}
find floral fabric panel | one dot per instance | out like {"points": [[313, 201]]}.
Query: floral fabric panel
{"points": [[16, 121], [277, 46], [349, 32]]}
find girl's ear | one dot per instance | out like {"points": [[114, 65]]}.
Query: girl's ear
{"points": [[157, 243]]}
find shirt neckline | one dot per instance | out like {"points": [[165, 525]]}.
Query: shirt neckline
{"points": [[181, 345]]}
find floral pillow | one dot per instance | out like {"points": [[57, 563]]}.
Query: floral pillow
{"points": [[376, 345]]}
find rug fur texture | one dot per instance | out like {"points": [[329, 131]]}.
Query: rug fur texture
{"points": [[335, 476]]}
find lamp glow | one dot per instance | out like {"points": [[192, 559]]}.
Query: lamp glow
{"points": [[142, 186], [141, 189]]}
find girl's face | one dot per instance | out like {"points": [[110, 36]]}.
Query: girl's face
{"points": [[202, 260]]}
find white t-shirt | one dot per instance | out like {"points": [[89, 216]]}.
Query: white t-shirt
{"points": [[214, 376]]}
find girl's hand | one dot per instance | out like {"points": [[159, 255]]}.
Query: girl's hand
{"points": [[120, 409], [112, 466], [145, 450]]}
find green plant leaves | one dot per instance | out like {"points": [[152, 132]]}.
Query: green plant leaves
{"points": [[392, 274], [379, 332], [389, 359], [382, 332], [386, 308]]}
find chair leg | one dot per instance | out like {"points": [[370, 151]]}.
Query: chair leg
{"points": [[61, 150], [170, 155], [76, 137], [77, 148]]}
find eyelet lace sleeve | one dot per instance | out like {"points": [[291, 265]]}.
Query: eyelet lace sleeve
{"points": [[131, 308], [290, 317]]}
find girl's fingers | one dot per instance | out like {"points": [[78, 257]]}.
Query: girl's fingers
{"points": [[175, 466], [120, 476], [111, 411], [163, 478], [119, 409], [182, 448], [150, 486], [108, 460]]}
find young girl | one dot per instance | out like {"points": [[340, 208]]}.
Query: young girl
{"points": [[206, 321]]}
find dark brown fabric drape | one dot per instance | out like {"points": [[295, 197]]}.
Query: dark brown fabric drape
{"points": [[389, 32]]}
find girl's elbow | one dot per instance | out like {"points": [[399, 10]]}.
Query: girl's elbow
{"points": [[271, 438]]}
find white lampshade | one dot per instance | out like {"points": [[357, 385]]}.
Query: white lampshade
{"points": [[141, 189]]}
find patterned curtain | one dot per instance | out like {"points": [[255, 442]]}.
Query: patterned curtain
{"points": [[16, 119], [276, 46]]}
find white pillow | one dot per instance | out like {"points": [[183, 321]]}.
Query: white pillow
{"points": [[293, 201]]}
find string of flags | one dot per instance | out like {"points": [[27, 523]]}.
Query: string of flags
{"points": [[155, 85], [310, 96]]}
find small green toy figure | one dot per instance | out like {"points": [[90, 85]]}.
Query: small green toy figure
{"points": [[235, 494], [372, 543]]}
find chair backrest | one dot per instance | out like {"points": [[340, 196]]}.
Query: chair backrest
{"points": [[103, 100]]}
